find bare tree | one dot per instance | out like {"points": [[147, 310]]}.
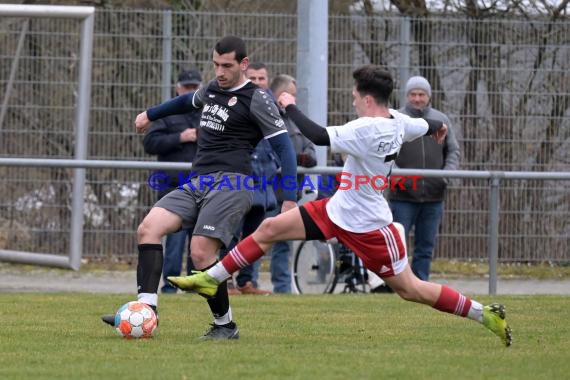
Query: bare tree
{"points": [[422, 31]]}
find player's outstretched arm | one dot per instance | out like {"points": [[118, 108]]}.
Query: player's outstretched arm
{"points": [[159, 140], [314, 132], [177, 105]]}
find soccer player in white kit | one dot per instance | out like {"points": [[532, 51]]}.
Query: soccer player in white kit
{"points": [[357, 214]]}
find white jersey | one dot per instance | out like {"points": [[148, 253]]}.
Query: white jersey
{"points": [[372, 144]]}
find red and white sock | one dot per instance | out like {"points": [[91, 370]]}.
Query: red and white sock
{"points": [[453, 302], [246, 252]]}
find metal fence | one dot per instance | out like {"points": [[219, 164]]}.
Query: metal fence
{"points": [[505, 85]]}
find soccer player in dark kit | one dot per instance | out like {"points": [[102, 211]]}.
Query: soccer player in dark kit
{"points": [[236, 115]]}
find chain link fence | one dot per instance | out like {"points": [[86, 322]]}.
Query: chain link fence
{"points": [[505, 85]]}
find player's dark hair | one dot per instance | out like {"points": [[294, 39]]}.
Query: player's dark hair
{"points": [[374, 81], [230, 44], [257, 66]]}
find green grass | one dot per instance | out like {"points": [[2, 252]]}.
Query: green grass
{"points": [[60, 336]]}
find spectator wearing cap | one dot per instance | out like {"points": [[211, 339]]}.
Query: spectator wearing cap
{"points": [[173, 139], [421, 208]]}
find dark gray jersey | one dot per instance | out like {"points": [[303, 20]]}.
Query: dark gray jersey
{"points": [[231, 125]]}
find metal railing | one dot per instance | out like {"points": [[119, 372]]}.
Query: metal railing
{"points": [[503, 83], [495, 178]]}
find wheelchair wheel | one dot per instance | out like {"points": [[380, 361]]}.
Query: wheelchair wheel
{"points": [[350, 271], [314, 267]]}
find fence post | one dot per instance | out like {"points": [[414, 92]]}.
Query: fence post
{"points": [[312, 63], [404, 57], [82, 113], [495, 182], [166, 87]]}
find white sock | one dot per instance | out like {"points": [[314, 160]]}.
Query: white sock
{"points": [[475, 311], [218, 272], [148, 298], [224, 319]]}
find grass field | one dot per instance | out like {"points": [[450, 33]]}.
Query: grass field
{"points": [[60, 336]]}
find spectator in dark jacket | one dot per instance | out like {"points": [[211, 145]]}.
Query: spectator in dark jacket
{"points": [[173, 139], [421, 208]]}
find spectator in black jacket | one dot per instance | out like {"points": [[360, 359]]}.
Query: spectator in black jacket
{"points": [[173, 139]]}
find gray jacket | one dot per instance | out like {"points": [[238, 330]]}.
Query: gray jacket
{"points": [[426, 153]]}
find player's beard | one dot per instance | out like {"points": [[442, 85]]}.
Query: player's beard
{"points": [[231, 82]]}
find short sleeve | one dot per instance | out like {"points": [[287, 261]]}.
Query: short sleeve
{"points": [[264, 110], [198, 98]]}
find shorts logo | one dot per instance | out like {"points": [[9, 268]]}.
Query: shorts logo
{"points": [[384, 269], [211, 228], [232, 101]]}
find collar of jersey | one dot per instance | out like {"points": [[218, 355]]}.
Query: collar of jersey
{"points": [[238, 87]]}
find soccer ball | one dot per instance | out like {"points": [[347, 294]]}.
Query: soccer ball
{"points": [[135, 320]]}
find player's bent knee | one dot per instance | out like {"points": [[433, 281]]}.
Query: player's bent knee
{"points": [[267, 231], [202, 260], [143, 231], [204, 251], [149, 231]]}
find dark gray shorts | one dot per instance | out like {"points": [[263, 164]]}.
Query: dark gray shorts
{"points": [[211, 205]]}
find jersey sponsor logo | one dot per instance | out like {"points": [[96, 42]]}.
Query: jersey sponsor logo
{"points": [[214, 117], [280, 123], [216, 110], [232, 101], [207, 227]]}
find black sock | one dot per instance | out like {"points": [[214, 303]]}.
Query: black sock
{"points": [[149, 268], [220, 303]]}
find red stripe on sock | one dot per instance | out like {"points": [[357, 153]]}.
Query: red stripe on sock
{"points": [[246, 252], [453, 302]]}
